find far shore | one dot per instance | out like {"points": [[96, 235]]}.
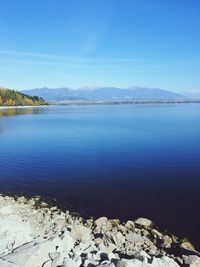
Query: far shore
{"points": [[13, 107], [100, 102], [136, 102]]}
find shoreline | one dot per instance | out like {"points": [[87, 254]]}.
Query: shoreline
{"points": [[14, 107], [123, 102], [99, 102], [34, 234]]}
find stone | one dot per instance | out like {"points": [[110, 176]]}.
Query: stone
{"points": [[81, 233], [130, 224], [120, 263], [191, 260], [33, 253], [40, 217], [58, 261], [106, 264], [156, 233], [21, 200], [31, 201], [31, 237], [114, 222], [134, 238], [70, 263], [167, 241], [43, 204], [187, 245], [53, 255], [47, 263], [101, 221], [52, 209], [119, 239], [144, 222], [4, 263]]}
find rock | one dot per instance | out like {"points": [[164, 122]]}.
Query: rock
{"points": [[144, 222], [191, 260], [4, 263], [47, 263], [164, 262], [58, 261], [43, 204], [156, 233], [40, 217], [37, 198], [107, 249], [156, 262], [70, 263], [101, 221], [106, 264], [44, 237], [60, 223], [81, 233], [114, 222], [119, 239], [134, 238], [187, 245], [130, 225], [33, 254], [31, 201], [22, 200], [64, 242], [53, 255], [120, 263], [52, 209], [167, 241], [123, 229]]}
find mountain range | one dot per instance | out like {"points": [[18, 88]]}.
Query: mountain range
{"points": [[104, 94]]}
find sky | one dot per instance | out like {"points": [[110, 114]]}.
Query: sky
{"points": [[78, 43]]}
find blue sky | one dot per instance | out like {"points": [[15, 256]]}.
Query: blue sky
{"points": [[75, 43]]}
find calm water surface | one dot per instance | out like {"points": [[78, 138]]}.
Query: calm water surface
{"points": [[121, 161]]}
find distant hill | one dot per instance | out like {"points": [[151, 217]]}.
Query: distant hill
{"points": [[14, 98], [105, 94]]}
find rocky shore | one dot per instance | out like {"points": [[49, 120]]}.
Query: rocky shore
{"points": [[32, 234]]}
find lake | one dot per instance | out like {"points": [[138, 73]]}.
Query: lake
{"points": [[120, 161]]}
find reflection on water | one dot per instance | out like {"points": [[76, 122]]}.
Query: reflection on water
{"points": [[21, 111], [9, 112]]}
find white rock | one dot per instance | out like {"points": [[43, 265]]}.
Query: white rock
{"points": [[35, 238], [81, 233], [144, 222], [192, 260], [58, 261], [106, 264], [134, 238], [4, 263], [33, 254], [101, 221], [129, 224], [70, 263], [119, 239]]}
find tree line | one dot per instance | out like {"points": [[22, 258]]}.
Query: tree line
{"points": [[14, 98]]}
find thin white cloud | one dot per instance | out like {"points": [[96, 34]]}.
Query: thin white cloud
{"points": [[26, 57], [25, 53]]}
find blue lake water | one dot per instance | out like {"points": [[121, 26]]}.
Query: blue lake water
{"points": [[122, 161]]}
